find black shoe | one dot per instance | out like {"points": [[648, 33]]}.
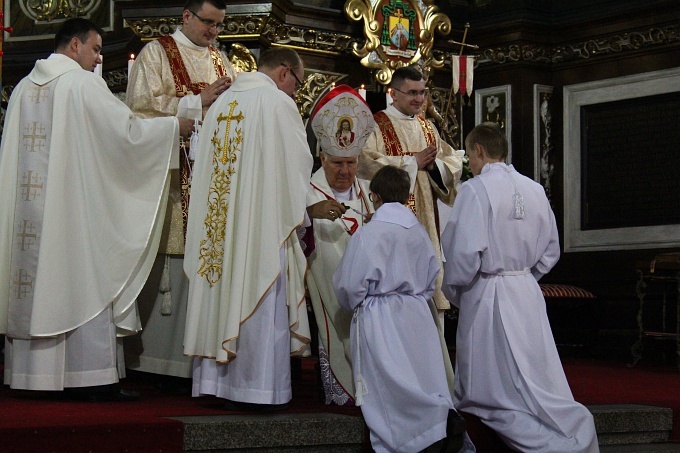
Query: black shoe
{"points": [[253, 407], [455, 432], [100, 394]]}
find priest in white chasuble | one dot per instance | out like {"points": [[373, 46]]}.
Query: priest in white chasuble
{"points": [[82, 192], [247, 313], [406, 140], [177, 75], [338, 205]]}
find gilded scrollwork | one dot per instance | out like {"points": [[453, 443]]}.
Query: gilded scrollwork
{"points": [[278, 33], [149, 29], [451, 127], [49, 10], [397, 33], [313, 86], [242, 26]]}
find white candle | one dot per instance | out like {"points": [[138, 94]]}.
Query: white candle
{"points": [[131, 61], [362, 91], [388, 96], [98, 68]]}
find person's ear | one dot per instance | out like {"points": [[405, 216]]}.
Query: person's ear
{"points": [[479, 150]]}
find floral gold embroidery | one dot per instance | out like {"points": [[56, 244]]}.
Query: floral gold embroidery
{"points": [[211, 254]]}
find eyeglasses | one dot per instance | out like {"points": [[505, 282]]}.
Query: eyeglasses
{"points": [[209, 23], [412, 93], [298, 82], [372, 197]]}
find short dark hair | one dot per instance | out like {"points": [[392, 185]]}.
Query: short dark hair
{"points": [[194, 5], [275, 56], [75, 28], [490, 137], [401, 75], [392, 184]]}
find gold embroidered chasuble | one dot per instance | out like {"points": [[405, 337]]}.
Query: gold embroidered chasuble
{"points": [[167, 70], [394, 140], [249, 189]]}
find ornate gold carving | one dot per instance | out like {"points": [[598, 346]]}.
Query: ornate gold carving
{"points": [[375, 54], [607, 45], [149, 29], [211, 254], [48, 10], [243, 26], [451, 127], [314, 85], [312, 40], [241, 58]]}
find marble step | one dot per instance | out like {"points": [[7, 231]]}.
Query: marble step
{"points": [[623, 424], [310, 432]]}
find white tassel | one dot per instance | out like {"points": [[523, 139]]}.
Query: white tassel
{"points": [[193, 141], [166, 303], [360, 390]]}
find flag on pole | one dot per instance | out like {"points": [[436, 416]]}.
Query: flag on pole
{"points": [[462, 70]]}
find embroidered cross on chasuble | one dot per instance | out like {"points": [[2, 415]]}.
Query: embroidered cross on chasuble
{"points": [[183, 87], [393, 145], [224, 157]]}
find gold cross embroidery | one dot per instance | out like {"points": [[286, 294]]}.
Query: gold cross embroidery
{"points": [[31, 186], [228, 147], [35, 137], [38, 93], [23, 283], [26, 235]]}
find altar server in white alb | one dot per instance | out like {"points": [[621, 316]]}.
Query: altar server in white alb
{"points": [[81, 205], [247, 311], [387, 278], [500, 240], [338, 205]]}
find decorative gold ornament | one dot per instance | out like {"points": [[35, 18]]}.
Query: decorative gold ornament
{"points": [[314, 85], [150, 29], [49, 10], [397, 34]]}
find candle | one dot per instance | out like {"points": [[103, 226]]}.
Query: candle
{"points": [[388, 96], [362, 91], [98, 68], [131, 61]]}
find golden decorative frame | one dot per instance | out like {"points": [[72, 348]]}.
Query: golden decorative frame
{"points": [[372, 53]]}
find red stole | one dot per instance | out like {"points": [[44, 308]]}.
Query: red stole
{"points": [[393, 145], [184, 86]]}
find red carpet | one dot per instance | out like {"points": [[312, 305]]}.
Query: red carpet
{"points": [[30, 424]]}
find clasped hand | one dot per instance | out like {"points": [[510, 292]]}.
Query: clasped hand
{"points": [[426, 157]]}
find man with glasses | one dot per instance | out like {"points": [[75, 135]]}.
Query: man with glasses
{"points": [[177, 75], [78, 229], [247, 314], [406, 140]]}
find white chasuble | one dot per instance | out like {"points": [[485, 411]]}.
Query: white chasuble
{"points": [[426, 191], [107, 177], [251, 178], [330, 239], [152, 93]]}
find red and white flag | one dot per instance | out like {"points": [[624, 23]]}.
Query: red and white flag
{"points": [[462, 69]]}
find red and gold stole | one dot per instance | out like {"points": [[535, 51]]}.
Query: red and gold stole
{"points": [[393, 145], [184, 86]]}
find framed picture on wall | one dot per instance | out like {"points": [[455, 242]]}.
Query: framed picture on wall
{"points": [[543, 140], [493, 105]]}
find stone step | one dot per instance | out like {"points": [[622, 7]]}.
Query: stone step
{"points": [[620, 428], [646, 448], [311, 432], [622, 424]]}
